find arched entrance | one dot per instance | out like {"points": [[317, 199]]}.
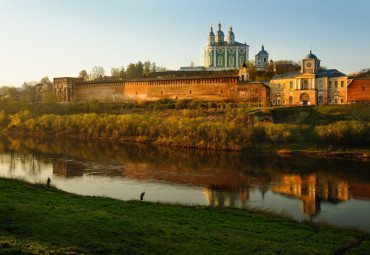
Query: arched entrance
{"points": [[305, 98]]}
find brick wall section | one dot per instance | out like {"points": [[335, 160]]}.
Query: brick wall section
{"points": [[253, 93], [358, 91], [203, 89]]}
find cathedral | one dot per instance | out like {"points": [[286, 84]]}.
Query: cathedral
{"points": [[261, 59], [221, 54]]}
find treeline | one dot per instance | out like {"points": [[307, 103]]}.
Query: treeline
{"points": [[182, 131], [34, 92], [132, 71]]}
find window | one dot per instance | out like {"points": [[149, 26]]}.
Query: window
{"points": [[274, 86], [335, 100], [291, 85], [283, 85], [329, 100], [264, 60], [278, 101], [291, 100], [342, 84], [305, 84], [336, 84], [320, 84], [279, 86], [220, 61], [321, 100], [329, 86], [273, 101], [231, 61], [341, 100], [363, 88]]}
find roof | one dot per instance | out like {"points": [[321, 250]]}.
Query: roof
{"points": [[360, 82], [323, 73], [162, 79], [329, 73], [225, 43], [313, 56], [262, 51]]}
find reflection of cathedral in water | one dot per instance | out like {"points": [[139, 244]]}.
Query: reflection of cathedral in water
{"points": [[67, 168], [216, 197], [312, 189]]}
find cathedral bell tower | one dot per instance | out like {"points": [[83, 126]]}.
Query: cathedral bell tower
{"points": [[211, 37], [310, 64]]}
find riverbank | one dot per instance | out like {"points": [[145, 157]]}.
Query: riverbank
{"points": [[36, 219], [338, 130]]}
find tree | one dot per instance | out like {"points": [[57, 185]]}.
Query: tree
{"points": [[118, 73], [139, 69], [10, 92], [153, 67], [97, 73], [83, 74], [34, 93], [115, 73], [131, 71], [146, 68], [45, 80]]}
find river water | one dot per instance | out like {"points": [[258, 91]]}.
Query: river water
{"points": [[336, 191]]}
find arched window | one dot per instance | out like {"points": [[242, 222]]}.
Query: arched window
{"points": [[291, 100]]}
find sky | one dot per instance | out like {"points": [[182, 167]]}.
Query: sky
{"points": [[57, 38]]}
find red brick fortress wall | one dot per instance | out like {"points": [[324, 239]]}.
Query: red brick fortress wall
{"points": [[358, 91], [201, 88]]}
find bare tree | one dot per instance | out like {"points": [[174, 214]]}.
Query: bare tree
{"points": [[97, 73]]}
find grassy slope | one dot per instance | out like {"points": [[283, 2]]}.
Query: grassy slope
{"points": [[39, 220], [321, 115]]}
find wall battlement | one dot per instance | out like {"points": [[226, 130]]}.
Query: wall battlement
{"points": [[227, 88]]}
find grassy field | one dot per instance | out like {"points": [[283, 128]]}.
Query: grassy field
{"points": [[39, 220]]}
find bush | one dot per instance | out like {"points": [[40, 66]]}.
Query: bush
{"points": [[344, 133], [282, 133]]}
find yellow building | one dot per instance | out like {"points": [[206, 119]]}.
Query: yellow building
{"points": [[310, 86]]}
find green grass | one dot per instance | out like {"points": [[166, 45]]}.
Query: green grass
{"points": [[321, 115], [36, 220]]}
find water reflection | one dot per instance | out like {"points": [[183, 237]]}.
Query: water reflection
{"points": [[321, 186]]}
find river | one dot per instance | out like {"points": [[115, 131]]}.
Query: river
{"points": [[335, 191]]}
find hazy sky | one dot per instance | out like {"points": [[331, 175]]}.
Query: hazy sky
{"points": [[57, 38]]}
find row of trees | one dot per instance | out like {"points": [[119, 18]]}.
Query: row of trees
{"points": [[31, 91], [132, 71]]}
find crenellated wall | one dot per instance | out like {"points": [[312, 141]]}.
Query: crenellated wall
{"points": [[200, 88]]}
